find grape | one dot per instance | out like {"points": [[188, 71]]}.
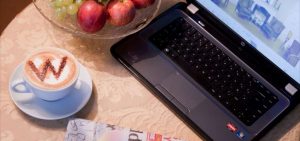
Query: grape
{"points": [[61, 13], [78, 2], [67, 2], [72, 9], [59, 3]]}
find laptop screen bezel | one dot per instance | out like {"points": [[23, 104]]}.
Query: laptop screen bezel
{"points": [[261, 64]]}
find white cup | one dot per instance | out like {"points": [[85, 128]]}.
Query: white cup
{"points": [[43, 93]]}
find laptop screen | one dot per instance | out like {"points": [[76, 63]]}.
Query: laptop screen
{"points": [[271, 26]]}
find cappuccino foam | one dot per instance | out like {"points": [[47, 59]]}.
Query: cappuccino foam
{"points": [[51, 69]]}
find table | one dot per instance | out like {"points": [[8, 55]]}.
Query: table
{"points": [[118, 98]]}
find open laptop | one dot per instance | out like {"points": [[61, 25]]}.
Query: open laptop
{"points": [[229, 68]]}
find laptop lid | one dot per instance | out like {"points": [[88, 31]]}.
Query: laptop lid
{"points": [[267, 33]]}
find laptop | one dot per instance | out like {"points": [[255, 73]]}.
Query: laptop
{"points": [[229, 68]]}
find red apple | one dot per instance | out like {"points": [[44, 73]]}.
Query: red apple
{"points": [[142, 3], [121, 12], [91, 16]]}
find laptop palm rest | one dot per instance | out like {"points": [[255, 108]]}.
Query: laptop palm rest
{"points": [[185, 94]]}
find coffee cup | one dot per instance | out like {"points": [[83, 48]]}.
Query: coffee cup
{"points": [[49, 73]]}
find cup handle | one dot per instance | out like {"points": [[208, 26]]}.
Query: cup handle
{"points": [[20, 86]]}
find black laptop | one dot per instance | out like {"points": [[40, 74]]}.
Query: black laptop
{"points": [[229, 68]]}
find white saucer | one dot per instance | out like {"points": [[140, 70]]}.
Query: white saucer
{"points": [[41, 109]]}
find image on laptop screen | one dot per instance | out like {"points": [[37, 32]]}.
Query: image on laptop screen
{"points": [[271, 26]]}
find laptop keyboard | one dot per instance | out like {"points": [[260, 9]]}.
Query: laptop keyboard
{"points": [[242, 94]]}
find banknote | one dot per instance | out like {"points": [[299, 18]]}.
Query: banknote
{"points": [[85, 130]]}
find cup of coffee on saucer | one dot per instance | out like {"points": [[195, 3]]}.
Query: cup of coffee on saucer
{"points": [[49, 73]]}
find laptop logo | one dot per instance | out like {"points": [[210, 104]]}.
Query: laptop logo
{"points": [[243, 44]]}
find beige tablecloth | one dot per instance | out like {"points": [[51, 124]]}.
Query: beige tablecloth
{"points": [[118, 98]]}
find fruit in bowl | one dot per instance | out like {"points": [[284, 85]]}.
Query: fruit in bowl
{"points": [[92, 15], [121, 12]]}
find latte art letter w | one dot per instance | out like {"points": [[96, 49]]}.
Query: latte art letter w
{"points": [[41, 74]]}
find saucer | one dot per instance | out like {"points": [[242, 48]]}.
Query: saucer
{"points": [[53, 110]]}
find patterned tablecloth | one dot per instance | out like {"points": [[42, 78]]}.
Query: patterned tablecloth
{"points": [[117, 98]]}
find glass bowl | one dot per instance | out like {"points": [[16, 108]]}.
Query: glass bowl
{"points": [[69, 23]]}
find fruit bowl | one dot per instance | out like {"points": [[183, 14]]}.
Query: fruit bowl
{"points": [[69, 23]]}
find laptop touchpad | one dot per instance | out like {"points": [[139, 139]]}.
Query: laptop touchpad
{"points": [[183, 90]]}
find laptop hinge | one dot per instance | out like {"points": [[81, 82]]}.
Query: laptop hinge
{"points": [[192, 8]]}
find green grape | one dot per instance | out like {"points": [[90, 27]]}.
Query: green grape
{"points": [[67, 2], [61, 13], [58, 3], [72, 9], [78, 2]]}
